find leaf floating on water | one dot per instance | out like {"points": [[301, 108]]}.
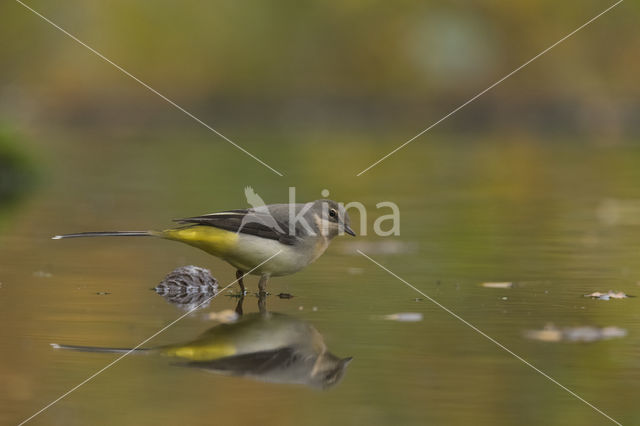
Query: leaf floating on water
{"points": [[552, 333], [607, 296], [497, 285], [544, 335], [187, 287], [404, 317]]}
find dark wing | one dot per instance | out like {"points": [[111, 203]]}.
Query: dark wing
{"points": [[245, 221], [253, 363]]}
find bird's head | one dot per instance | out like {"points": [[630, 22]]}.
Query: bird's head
{"points": [[332, 218]]}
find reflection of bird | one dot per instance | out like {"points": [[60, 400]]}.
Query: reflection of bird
{"points": [[302, 233], [269, 347]]}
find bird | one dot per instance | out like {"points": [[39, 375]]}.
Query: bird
{"points": [[266, 346], [271, 240]]}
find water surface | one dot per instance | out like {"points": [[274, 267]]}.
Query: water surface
{"points": [[557, 218]]}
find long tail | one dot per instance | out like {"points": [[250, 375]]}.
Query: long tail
{"points": [[106, 234], [97, 349]]}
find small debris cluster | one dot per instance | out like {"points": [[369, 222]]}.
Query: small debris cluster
{"points": [[607, 296], [188, 287], [497, 285], [225, 316], [285, 295], [404, 317], [551, 333]]}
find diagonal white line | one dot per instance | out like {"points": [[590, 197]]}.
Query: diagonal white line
{"points": [[491, 87], [145, 85], [500, 345], [138, 345]]}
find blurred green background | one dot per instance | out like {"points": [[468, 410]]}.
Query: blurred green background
{"points": [[326, 66], [536, 183]]}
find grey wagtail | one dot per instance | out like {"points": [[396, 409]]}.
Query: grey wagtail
{"points": [[295, 234], [269, 347]]}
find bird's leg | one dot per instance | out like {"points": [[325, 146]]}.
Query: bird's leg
{"points": [[239, 305], [262, 284], [239, 275]]}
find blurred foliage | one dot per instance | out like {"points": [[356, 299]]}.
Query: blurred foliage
{"points": [[348, 62]]}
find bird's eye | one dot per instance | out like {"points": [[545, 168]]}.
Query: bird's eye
{"points": [[333, 213]]}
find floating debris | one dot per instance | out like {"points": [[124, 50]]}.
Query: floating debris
{"points": [[497, 285], [404, 317], [355, 271], [607, 296], [102, 293], [42, 274], [188, 287], [550, 333], [226, 316], [285, 295]]}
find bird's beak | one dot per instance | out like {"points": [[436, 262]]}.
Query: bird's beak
{"points": [[349, 231]]}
